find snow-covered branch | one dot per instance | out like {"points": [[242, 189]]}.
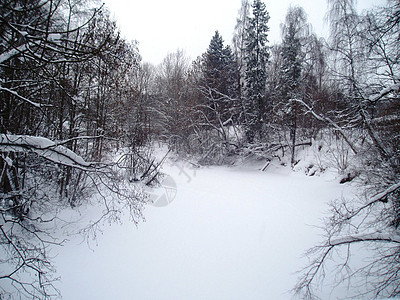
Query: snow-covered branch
{"points": [[44, 148], [368, 237], [11, 53], [35, 104], [382, 195], [393, 88]]}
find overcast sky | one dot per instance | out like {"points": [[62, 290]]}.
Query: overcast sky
{"points": [[163, 26]]}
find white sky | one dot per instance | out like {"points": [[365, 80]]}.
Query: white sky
{"points": [[163, 26]]}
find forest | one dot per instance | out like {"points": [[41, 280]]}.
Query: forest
{"points": [[80, 114]]}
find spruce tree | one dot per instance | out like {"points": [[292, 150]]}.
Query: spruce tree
{"points": [[257, 56], [291, 51], [219, 75], [290, 74], [214, 62]]}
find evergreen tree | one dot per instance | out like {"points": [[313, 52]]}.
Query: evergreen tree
{"points": [[291, 69], [291, 64], [214, 62], [220, 76], [257, 56]]}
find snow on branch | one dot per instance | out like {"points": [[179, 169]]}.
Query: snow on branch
{"points": [[385, 91], [368, 237], [44, 148], [11, 53], [35, 104], [381, 197]]}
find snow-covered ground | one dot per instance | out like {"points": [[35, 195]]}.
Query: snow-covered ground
{"points": [[230, 233]]}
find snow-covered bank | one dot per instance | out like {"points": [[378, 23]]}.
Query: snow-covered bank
{"points": [[230, 233]]}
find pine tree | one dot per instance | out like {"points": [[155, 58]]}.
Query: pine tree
{"points": [[257, 56]]}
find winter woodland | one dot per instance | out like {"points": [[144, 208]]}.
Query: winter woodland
{"points": [[81, 116]]}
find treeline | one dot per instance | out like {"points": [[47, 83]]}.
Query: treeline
{"points": [[252, 97], [73, 93]]}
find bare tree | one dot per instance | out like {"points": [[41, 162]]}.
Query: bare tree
{"points": [[239, 39], [367, 70], [54, 121], [216, 134], [173, 105]]}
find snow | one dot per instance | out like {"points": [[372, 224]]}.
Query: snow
{"points": [[12, 52], [37, 105], [43, 147], [230, 233], [9, 161], [385, 91], [380, 196], [374, 236], [54, 37]]}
